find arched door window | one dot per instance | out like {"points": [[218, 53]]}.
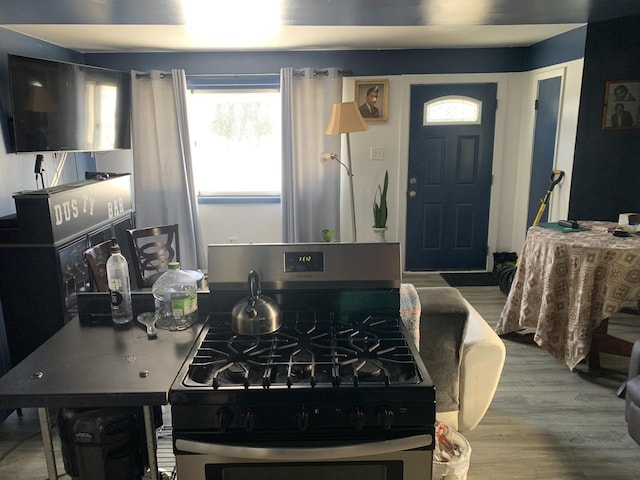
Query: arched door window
{"points": [[452, 110]]}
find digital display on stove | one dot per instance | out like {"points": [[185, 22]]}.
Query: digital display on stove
{"points": [[304, 261]]}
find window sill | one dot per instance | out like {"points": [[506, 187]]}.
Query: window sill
{"points": [[237, 199]]}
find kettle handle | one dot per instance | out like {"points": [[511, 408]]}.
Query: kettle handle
{"points": [[254, 293], [254, 284]]}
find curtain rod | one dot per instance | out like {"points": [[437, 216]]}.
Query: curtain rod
{"points": [[296, 73], [148, 75], [208, 75], [229, 74], [315, 73]]}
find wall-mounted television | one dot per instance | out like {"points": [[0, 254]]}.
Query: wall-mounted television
{"points": [[59, 106]]}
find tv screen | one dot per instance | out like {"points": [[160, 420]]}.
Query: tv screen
{"points": [[60, 106]]}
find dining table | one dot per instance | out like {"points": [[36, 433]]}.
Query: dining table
{"points": [[568, 282]]}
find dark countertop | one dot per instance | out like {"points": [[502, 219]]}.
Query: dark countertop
{"points": [[94, 364]]}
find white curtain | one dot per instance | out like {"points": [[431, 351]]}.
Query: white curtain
{"points": [[162, 170], [310, 186]]}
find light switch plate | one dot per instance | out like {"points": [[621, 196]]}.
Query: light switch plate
{"points": [[377, 153]]}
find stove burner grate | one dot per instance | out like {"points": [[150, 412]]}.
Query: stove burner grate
{"points": [[311, 349]]}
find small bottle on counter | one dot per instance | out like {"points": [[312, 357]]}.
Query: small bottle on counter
{"points": [[119, 286], [175, 296]]}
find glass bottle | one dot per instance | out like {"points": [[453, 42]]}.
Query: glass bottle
{"points": [[119, 286]]}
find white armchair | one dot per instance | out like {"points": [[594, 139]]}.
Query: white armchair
{"points": [[462, 353]]}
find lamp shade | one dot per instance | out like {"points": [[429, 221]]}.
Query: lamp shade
{"points": [[345, 118]]}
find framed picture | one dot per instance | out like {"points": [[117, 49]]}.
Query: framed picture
{"points": [[621, 105], [372, 97]]}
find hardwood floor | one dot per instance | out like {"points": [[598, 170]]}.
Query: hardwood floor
{"points": [[548, 422], [545, 422]]}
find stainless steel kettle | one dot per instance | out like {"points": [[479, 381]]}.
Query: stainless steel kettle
{"points": [[255, 314]]}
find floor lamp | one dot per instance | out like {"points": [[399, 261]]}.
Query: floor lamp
{"points": [[346, 118]]}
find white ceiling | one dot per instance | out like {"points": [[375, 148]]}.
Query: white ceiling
{"points": [[150, 38], [230, 25]]}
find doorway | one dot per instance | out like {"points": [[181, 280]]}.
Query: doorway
{"points": [[544, 144], [449, 176]]}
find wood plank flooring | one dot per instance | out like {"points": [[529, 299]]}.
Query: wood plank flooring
{"points": [[545, 422]]}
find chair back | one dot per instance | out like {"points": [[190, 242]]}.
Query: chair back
{"points": [[96, 258], [153, 248]]}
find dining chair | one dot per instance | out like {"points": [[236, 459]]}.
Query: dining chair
{"points": [[96, 258], [152, 248]]}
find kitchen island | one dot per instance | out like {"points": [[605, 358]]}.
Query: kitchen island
{"points": [[91, 363]]}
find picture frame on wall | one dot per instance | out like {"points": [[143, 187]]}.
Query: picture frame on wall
{"points": [[372, 97], [621, 105]]}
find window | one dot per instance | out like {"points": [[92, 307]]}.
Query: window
{"points": [[236, 142], [452, 110]]}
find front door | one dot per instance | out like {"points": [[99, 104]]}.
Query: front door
{"points": [[449, 177]]}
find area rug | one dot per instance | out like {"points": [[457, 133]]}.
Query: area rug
{"points": [[468, 279]]}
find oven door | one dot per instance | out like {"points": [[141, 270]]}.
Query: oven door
{"points": [[401, 459]]}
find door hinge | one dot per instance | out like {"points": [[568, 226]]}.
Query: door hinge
{"points": [[535, 106]]}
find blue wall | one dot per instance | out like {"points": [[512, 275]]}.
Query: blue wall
{"points": [[560, 49], [606, 172]]}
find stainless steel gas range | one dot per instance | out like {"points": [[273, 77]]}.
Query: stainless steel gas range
{"points": [[336, 391]]}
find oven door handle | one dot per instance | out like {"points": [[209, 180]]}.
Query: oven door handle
{"points": [[305, 454]]}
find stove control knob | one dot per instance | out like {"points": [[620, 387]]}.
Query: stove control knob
{"points": [[249, 420], [223, 419], [386, 418], [302, 419], [359, 418]]}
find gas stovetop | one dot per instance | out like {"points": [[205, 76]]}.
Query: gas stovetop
{"points": [[320, 372], [340, 364], [311, 349]]}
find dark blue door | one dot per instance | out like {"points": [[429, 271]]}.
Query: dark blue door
{"points": [[449, 183], [544, 145]]}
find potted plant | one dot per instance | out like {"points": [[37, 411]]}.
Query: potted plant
{"points": [[327, 235], [380, 209]]}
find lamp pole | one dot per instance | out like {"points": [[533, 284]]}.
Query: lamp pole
{"points": [[347, 167], [353, 203]]}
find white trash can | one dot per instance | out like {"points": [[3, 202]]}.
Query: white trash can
{"points": [[451, 456]]}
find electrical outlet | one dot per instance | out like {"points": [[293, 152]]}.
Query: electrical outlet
{"points": [[377, 153]]}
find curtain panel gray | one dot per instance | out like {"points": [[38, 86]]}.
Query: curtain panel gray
{"points": [[310, 186], [162, 169]]}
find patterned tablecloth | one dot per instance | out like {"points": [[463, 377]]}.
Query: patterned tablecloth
{"points": [[567, 283]]}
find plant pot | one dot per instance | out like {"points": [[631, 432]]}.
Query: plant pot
{"points": [[378, 234]]}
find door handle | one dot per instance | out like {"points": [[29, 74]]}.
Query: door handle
{"points": [[412, 193], [299, 454], [413, 181]]}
